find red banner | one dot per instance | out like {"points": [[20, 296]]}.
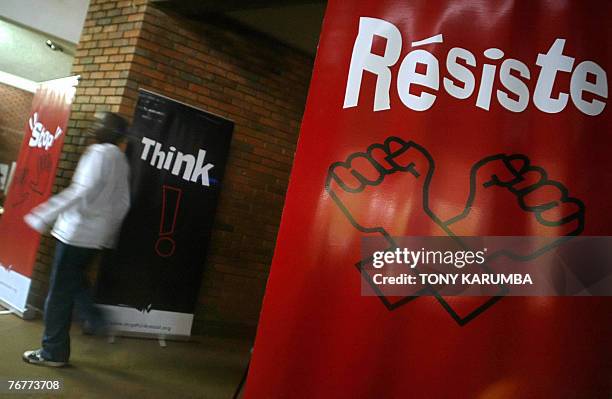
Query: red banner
{"points": [[31, 185], [457, 118]]}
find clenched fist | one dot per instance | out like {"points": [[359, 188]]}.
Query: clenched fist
{"points": [[385, 190]]}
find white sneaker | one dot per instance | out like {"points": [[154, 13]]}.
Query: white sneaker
{"points": [[35, 357]]}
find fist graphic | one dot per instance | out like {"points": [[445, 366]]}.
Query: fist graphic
{"points": [[385, 190]]}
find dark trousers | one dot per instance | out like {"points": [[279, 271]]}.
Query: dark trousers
{"points": [[67, 290]]}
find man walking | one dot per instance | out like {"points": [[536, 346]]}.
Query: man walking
{"points": [[87, 215]]}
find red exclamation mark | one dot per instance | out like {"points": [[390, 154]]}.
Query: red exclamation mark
{"points": [[171, 199]]}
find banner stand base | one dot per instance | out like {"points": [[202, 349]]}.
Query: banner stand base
{"points": [[27, 314], [240, 386], [161, 339]]}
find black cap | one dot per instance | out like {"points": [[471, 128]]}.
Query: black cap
{"points": [[108, 127]]}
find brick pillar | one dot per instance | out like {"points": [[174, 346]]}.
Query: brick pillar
{"points": [[227, 70]]}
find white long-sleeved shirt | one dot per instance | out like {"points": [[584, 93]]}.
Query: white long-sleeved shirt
{"points": [[90, 211]]}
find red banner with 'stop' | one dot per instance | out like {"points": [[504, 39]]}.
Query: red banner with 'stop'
{"points": [[443, 118], [31, 185]]}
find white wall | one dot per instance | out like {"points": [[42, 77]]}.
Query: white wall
{"points": [[60, 18]]}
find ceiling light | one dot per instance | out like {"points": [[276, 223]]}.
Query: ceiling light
{"points": [[54, 46]]}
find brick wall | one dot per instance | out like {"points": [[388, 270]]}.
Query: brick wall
{"points": [[255, 81], [15, 106]]}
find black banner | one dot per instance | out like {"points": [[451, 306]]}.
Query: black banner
{"points": [[177, 159]]}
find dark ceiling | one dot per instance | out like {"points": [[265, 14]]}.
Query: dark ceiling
{"points": [[296, 23]]}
